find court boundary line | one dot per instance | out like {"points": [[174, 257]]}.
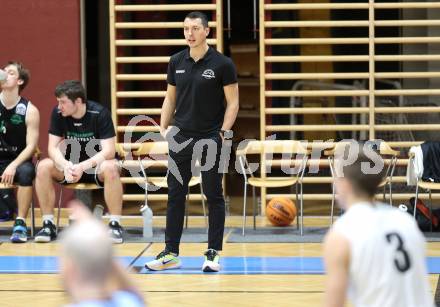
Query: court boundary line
{"points": [[130, 265], [226, 237], [437, 293], [176, 291]]}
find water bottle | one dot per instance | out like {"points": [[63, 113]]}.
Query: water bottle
{"points": [[147, 215], [3, 76], [98, 211]]}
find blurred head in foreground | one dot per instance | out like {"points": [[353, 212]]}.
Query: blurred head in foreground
{"points": [[87, 267]]}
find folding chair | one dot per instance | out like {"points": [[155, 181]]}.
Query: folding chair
{"points": [[427, 185], [385, 151], [265, 148], [74, 186], [160, 150]]}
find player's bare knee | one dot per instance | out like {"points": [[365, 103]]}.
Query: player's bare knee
{"points": [[110, 169], [44, 168]]}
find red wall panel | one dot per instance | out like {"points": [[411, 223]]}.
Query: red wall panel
{"points": [[45, 36]]}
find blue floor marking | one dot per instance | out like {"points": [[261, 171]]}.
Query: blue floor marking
{"points": [[433, 265], [192, 265], [29, 264], [36, 264], [246, 265]]}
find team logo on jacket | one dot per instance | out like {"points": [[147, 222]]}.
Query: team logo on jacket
{"points": [[20, 109], [208, 74]]}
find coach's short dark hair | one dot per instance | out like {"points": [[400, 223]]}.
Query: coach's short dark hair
{"points": [[362, 182], [73, 89], [202, 16], [23, 74]]}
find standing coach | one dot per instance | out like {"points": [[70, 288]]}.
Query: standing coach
{"points": [[200, 80]]}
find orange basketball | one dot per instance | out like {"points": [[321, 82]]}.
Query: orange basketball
{"points": [[281, 211]]}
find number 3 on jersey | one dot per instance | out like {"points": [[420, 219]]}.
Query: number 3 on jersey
{"points": [[401, 260]]}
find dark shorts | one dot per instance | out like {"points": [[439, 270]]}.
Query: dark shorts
{"points": [[24, 175], [89, 176]]}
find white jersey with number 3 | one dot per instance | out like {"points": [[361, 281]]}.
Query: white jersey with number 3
{"points": [[387, 257]]}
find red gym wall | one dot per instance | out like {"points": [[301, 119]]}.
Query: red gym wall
{"points": [[45, 36]]}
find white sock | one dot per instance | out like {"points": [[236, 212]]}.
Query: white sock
{"points": [[116, 218], [48, 217], [20, 218]]}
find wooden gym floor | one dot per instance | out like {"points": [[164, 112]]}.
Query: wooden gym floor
{"points": [[263, 289]]}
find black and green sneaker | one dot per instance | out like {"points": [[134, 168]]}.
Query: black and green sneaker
{"points": [[212, 261], [47, 233]]}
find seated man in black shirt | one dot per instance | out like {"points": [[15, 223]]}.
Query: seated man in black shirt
{"points": [[84, 129], [19, 123]]}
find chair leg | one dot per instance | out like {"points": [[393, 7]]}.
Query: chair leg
{"points": [[254, 202], [332, 209], [415, 201], [59, 208], [384, 192], [244, 207], [186, 210], [146, 194], [302, 210], [430, 210], [296, 204], [32, 218], [391, 194], [204, 208]]}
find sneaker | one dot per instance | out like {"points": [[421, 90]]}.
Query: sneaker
{"points": [[212, 259], [115, 232], [19, 232], [164, 261], [47, 233]]}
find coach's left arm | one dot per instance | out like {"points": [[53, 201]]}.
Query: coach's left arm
{"points": [[232, 105]]}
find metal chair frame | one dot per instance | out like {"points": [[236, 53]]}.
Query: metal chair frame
{"points": [[273, 147], [161, 148], [429, 186], [384, 150]]}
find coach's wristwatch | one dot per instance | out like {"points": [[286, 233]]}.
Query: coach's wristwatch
{"points": [[227, 134]]}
